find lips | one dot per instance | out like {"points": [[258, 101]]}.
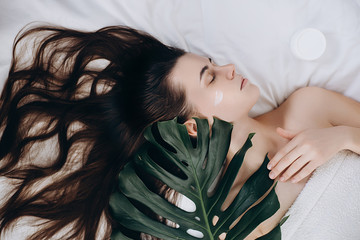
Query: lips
{"points": [[243, 83]]}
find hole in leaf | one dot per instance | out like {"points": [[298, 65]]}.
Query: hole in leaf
{"points": [[144, 209], [195, 233], [185, 163], [151, 214], [222, 236], [172, 224], [197, 218], [185, 203], [157, 186], [193, 141], [205, 161], [165, 163], [127, 232], [212, 189], [215, 220], [160, 140]]}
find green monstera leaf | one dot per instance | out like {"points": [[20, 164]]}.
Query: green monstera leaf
{"points": [[198, 167]]}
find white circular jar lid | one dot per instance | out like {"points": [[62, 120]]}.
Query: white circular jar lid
{"points": [[308, 44]]}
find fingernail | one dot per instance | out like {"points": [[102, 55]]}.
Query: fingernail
{"points": [[271, 175], [269, 166]]}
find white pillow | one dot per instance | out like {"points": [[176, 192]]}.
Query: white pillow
{"points": [[255, 35]]}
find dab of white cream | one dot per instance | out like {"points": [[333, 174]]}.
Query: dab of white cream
{"points": [[218, 97]]}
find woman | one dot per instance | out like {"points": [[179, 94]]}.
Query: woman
{"points": [[90, 95], [304, 132]]}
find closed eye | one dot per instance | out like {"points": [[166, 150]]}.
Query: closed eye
{"points": [[213, 79], [211, 61], [214, 76]]}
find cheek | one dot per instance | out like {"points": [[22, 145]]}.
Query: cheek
{"points": [[233, 107], [204, 102], [219, 95], [229, 110]]}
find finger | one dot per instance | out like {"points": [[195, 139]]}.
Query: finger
{"points": [[285, 162], [304, 172], [281, 153], [286, 133], [294, 168]]}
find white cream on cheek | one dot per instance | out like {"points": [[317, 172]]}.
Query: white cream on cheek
{"points": [[218, 97]]}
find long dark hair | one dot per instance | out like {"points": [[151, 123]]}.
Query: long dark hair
{"points": [[72, 113]]}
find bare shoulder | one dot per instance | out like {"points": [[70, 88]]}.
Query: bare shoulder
{"points": [[324, 105], [318, 94], [301, 109], [311, 94]]}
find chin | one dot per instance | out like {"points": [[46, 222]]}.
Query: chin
{"points": [[254, 95], [257, 91], [254, 91]]}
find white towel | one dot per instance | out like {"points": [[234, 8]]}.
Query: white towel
{"points": [[328, 208]]}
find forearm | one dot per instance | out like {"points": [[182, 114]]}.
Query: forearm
{"points": [[351, 138]]}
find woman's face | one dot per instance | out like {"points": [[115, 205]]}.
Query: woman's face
{"points": [[214, 90]]}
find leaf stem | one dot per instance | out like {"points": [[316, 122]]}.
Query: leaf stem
{"points": [[208, 229]]}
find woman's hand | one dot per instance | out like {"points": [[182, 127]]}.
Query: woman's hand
{"points": [[305, 151]]}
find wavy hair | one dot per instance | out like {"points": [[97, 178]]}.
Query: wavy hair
{"points": [[72, 112]]}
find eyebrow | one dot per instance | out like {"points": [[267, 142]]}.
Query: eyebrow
{"points": [[204, 69]]}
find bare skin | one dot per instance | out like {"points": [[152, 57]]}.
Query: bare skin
{"points": [[304, 132], [286, 191]]}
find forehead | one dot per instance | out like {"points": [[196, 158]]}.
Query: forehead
{"points": [[188, 67], [191, 59]]}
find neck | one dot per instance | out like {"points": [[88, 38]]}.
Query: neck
{"points": [[265, 135]]}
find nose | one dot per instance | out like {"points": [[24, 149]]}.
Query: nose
{"points": [[228, 70], [231, 71]]}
